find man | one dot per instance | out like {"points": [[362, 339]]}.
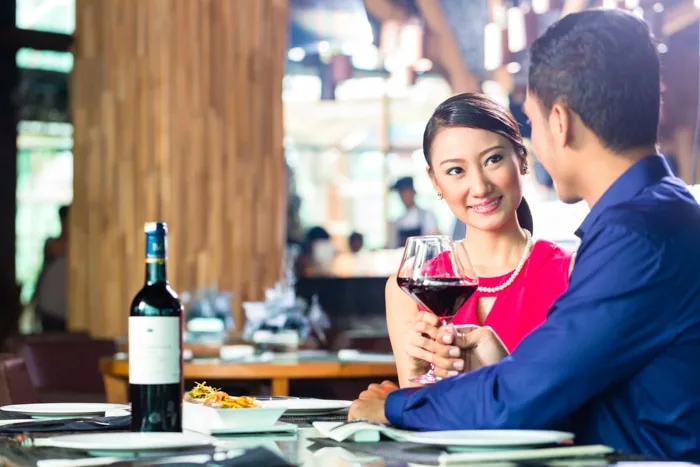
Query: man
{"points": [[616, 361], [415, 221]]}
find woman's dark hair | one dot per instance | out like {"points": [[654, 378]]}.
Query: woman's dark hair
{"points": [[472, 110]]}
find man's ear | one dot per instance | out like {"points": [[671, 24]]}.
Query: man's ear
{"points": [[560, 124]]}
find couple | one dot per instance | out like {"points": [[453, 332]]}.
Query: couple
{"points": [[615, 359]]}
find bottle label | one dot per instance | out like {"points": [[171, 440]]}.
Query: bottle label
{"points": [[155, 248], [154, 350]]}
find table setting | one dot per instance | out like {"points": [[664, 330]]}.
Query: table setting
{"points": [[73, 435]]}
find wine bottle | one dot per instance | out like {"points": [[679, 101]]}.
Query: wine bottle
{"points": [[156, 383]]}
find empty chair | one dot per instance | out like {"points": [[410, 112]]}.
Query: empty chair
{"points": [[65, 368], [15, 384]]}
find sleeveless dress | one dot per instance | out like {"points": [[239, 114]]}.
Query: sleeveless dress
{"points": [[523, 305]]}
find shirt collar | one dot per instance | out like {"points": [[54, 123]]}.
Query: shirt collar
{"points": [[643, 173]]}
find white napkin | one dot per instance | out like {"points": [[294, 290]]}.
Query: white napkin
{"points": [[359, 432], [480, 457]]}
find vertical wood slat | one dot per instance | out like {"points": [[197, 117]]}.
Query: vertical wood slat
{"points": [[178, 117]]}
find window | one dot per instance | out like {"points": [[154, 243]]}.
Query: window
{"points": [[46, 15], [44, 157]]}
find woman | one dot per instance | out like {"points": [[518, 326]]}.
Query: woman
{"points": [[476, 158]]}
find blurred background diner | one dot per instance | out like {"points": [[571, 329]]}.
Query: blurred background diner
{"points": [[281, 140]]}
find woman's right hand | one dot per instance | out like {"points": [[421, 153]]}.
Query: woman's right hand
{"points": [[423, 348]]}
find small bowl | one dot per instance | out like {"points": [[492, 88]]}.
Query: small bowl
{"points": [[210, 420]]}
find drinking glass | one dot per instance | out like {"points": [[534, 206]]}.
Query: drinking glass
{"points": [[437, 274]]}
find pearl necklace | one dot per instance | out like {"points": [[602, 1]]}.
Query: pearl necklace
{"points": [[515, 273]]}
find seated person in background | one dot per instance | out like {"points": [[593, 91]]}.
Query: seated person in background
{"points": [[616, 360], [415, 221], [476, 159], [355, 242], [317, 254]]}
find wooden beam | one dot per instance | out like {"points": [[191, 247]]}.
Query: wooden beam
{"points": [[451, 59], [680, 17]]}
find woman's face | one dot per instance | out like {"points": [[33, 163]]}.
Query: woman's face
{"points": [[478, 174]]}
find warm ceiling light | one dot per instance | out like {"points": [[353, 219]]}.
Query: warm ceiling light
{"points": [[493, 47], [516, 29], [540, 6], [513, 67]]}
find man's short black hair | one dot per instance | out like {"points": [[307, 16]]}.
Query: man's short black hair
{"points": [[603, 65]]}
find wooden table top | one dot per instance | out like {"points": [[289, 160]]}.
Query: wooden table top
{"points": [[291, 369]]}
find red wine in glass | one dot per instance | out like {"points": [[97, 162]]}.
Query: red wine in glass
{"points": [[437, 274], [444, 296]]}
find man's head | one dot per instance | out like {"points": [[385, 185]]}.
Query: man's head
{"points": [[593, 88], [63, 216], [356, 241], [404, 186]]}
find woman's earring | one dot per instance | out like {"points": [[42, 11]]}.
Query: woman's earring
{"points": [[439, 195], [524, 168]]}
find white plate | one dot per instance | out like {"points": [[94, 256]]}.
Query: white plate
{"points": [[63, 409], [490, 438], [301, 407], [473, 439], [109, 443]]}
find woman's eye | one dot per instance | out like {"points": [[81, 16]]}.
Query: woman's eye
{"points": [[495, 159], [455, 171]]}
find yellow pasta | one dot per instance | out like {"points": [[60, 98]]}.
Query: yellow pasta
{"points": [[213, 397]]}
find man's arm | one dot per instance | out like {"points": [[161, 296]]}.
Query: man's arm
{"points": [[605, 327]]}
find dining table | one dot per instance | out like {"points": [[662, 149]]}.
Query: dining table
{"points": [[279, 369], [306, 447]]}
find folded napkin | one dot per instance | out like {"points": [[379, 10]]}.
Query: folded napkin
{"points": [[306, 421], [361, 432], [69, 424], [526, 454]]}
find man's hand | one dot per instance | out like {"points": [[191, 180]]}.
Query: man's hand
{"points": [[479, 346], [370, 403]]}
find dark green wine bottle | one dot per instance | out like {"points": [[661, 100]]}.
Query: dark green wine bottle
{"points": [[156, 383]]}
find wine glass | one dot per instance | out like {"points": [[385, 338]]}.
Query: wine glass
{"points": [[436, 272]]}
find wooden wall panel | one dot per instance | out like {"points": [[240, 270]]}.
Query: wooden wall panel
{"points": [[177, 109]]}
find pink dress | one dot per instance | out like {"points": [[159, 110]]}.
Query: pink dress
{"points": [[523, 305]]}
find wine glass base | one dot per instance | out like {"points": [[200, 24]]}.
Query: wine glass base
{"points": [[428, 378]]}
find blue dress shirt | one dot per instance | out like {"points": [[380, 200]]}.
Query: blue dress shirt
{"points": [[617, 361]]}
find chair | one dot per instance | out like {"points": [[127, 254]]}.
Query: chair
{"points": [[15, 384], [65, 368]]}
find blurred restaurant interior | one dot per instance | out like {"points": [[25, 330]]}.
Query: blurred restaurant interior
{"points": [[268, 134]]}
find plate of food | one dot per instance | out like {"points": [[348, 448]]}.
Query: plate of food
{"points": [[210, 410]]}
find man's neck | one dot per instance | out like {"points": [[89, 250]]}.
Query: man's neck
{"points": [[604, 168]]}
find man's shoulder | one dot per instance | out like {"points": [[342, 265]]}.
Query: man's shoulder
{"points": [[665, 216]]}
